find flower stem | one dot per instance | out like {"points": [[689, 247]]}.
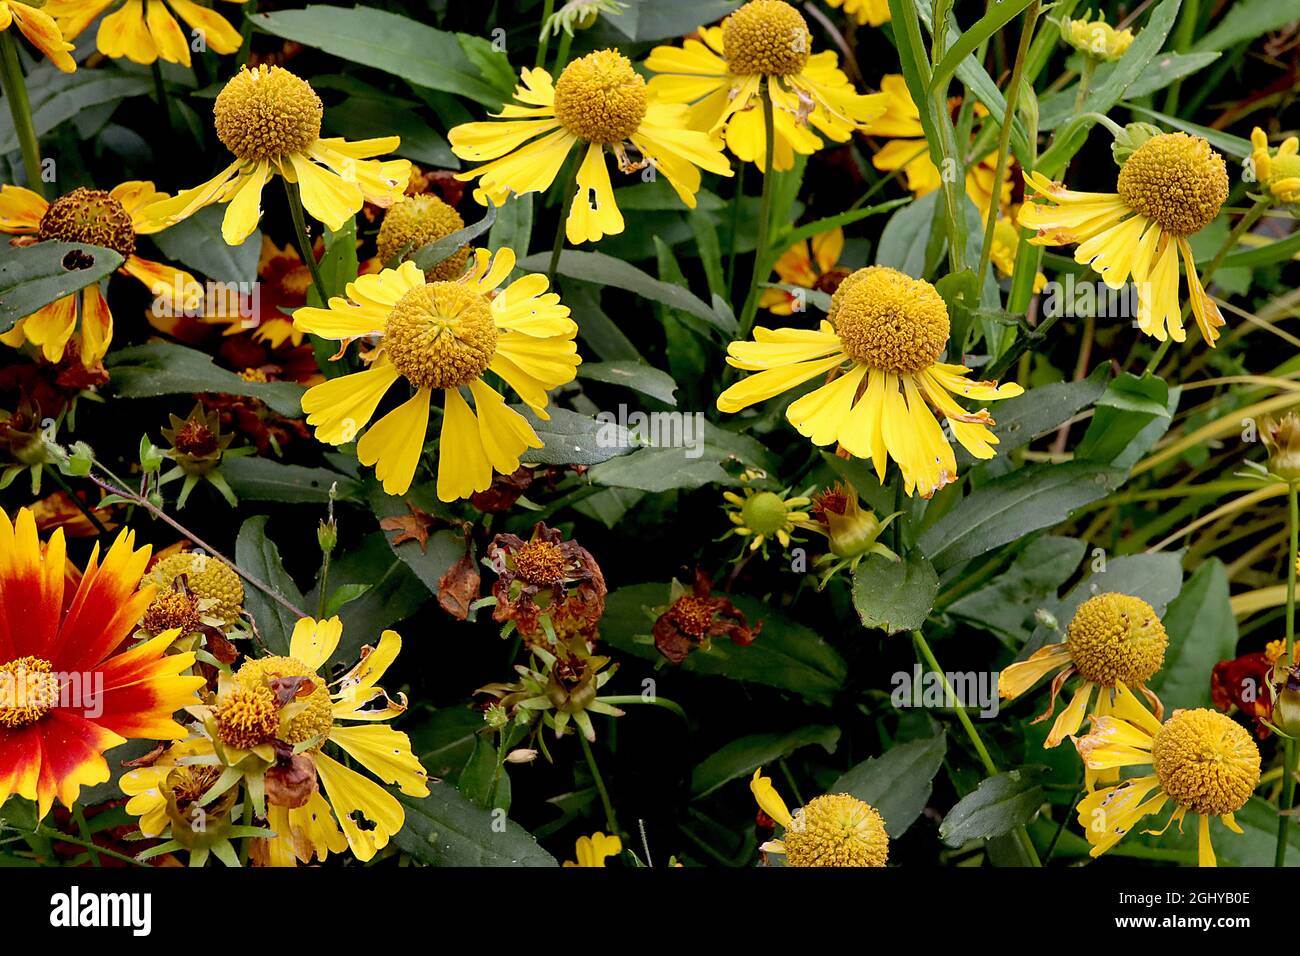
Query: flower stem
{"points": [[304, 244], [544, 41], [620, 700], [977, 742], [15, 90], [1004, 141], [611, 822], [736, 198], [1287, 798], [88, 845], [764, 218]]}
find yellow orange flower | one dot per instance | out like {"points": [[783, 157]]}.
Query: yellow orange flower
{"points": [[599, 102], [112, 219], [145, 30], [1201, 760], [41, 29], [1171, 187], [68, 692], [764, 48], [880, 351], [443, 336], [271, 121]]}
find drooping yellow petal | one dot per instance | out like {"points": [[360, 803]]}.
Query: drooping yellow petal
{"points": [[245, 207], [504, 433], [1017, 678], [821, 414], [339, 408], [350, 793], [463, 466], [217, 32], [593, 214], [1068, 721], [327, 196], [763, 385], [769, 801], [313, 641], [386, 753], [394, 443], [124, 32]]}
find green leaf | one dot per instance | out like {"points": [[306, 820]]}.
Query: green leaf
{"points": [[642, 21], [514, 225], [342, 596], [598, 268], [189, 242], [1058, 108], [998, 16], [31, 277], [1234, 146], [1256, 844], [1202, 631], [996, 807], [163, 368], [1245, 20], [370, 117], [785, 654], [452, 63], [894, 595], [638, 376], [443, 548], [446, 829], [827, 223], [444, 739], [264, 479], [428, 256], [898, 782], [1277, 251], [1124, 411], [905, 237], [1010, 506], [64, 96], [688, 452], [742, 757], [1006, 606], [258, 555], [572, 439], [1040, 410]]}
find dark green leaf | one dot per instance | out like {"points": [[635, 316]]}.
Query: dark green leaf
{"points": [[997, 806], [258, 555], [898, 782], [1202, 631], [894, 595], [635, 375], [446, 829], [189, 242], [31, 277], [742, 757], [163, 368], [264, 479]]}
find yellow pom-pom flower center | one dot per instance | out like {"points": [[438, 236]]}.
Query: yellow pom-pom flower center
{"points": [[417, 222], [209, 579], [310, 712], [1206, 761], [441, 335], [267, 113], [600, 98], [248, 717], [28, 691], [836, 830], [767, 37], [172, 609], [1176, 180], [1116, 637], [889, 321], [89, 215]]}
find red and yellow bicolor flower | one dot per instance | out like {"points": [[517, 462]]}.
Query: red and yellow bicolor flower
{"points": [[68, 691]]}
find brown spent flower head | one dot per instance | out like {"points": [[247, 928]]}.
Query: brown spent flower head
{"points": [[695, 618], [177, 608], [547, 576], [1282, 439], [197, 443], [91, 216]]}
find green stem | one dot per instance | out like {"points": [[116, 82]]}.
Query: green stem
{"points": [[89, 515], [1060, 829], [15, 90], [562, 54], [545, 39], [1184, 34], [556, 247], [764, 219], [88, 845], [324, 586], [611, 822], [245, 844], [1287, 799], [1004, 141], [1085, 81], [79, 816], [977, 742], [304, 244]]}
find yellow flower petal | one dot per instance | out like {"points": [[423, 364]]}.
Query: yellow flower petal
{"points": [[393, 444]]}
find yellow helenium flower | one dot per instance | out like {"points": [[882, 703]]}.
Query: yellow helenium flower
{"points": [[722, 77], [762, 515], [1097, 38], [1278, 171], [907, 150], [835, 829], [798, 267], [880, 350], [270, 119], [39, 27], [1112, 640], [874, 12], [1202, 760], [600, 101], [145, 30], [443, 336], [112, 219], [595, 849], [283, 699], [1172, 186], [168, 781]]}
